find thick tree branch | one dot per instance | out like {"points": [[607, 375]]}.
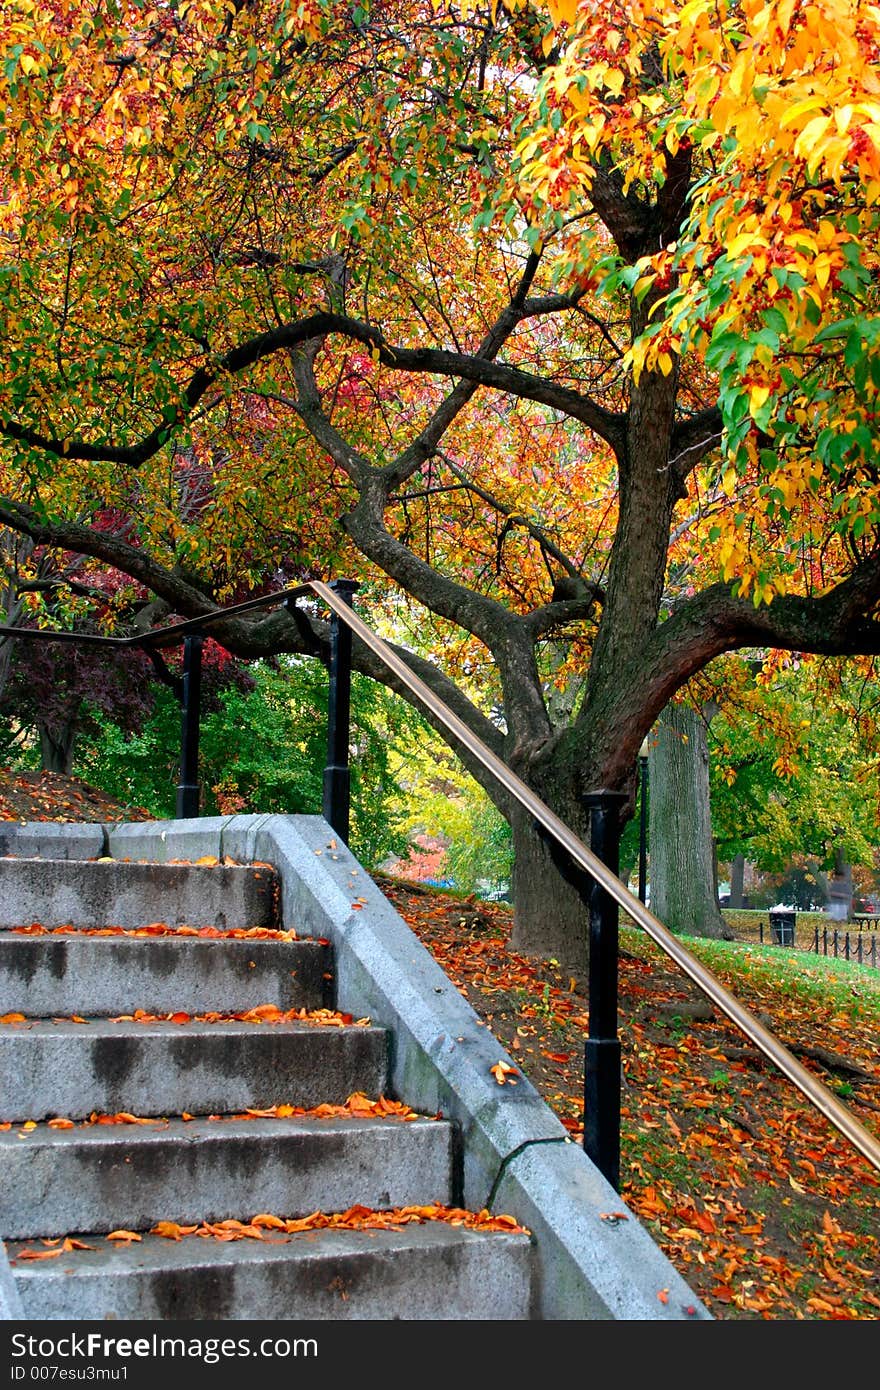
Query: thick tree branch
{"points": [[632, 223], [552, 616], [845, 621], [182, 596], [477, 370], [693, 438]]}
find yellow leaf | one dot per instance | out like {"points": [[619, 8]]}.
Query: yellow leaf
{"points": [[563, 11]]}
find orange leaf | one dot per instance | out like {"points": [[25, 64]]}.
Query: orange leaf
{"points": [[38, 1254], [124, 1235], [502, 1071], [171, 1231], [179, 1018], [262, 1011], [663, 1295]]}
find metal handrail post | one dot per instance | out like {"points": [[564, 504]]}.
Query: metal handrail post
{"points": [[336, 806], [602, 1064], [809, 1085], [190, 703]]}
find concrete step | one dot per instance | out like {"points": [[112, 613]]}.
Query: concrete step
{"points": [[70, 1049], [428, 1271], [107, 975], [113, 892], [58, 1067], [100, 1178]]}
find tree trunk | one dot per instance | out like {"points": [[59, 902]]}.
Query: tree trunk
{"points": [[737, 874], [680, 838], [550, 916], [56, 748]]}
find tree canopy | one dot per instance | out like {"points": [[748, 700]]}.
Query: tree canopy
{"points": [[561, 318]]}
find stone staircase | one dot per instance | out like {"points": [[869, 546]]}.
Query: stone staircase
{"points": [[161, 1062]]}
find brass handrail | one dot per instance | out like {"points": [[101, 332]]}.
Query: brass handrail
{"points": [[810, 1086], [817, 1093]]}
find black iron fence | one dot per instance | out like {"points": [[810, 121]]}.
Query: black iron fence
{"points": [[837, 943], [593, 870], [853, 943]]}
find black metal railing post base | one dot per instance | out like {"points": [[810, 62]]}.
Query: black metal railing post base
{"points": [[602, 1057]]}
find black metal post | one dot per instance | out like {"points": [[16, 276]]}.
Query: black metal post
{"points": [[602, 1073], [190, 702], [337, 776], [643, 826]]}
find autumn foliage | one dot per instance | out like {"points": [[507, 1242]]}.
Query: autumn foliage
{"points": [[555, 324]]}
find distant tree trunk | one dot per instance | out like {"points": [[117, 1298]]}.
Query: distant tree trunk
{"points": [[56, 747], [737, 874], [840, 887], [681, 846]]}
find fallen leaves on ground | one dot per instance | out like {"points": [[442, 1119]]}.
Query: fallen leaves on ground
{"points": [[758, 1201], [52, 796]]}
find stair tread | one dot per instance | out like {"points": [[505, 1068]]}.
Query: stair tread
{"points": [[423, 1271], [161, 1128], [101, 1177], [91, 1025], [157, 931], [152, 1251]]}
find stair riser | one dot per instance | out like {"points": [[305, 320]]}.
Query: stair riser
{"points": [[104, 976], [130, 1177], [111, 893], [70, 1070], [420, 1272]]}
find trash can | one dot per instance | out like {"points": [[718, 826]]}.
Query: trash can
{"points": [[782, 924]]}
